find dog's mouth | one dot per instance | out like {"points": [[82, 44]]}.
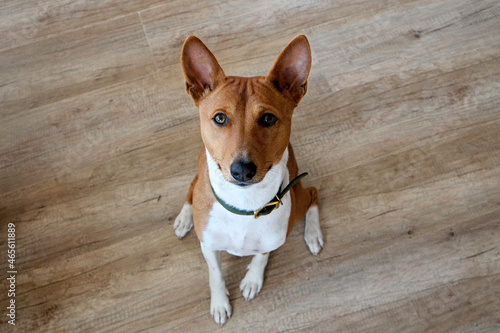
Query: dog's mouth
{"points": [[244, 184]]}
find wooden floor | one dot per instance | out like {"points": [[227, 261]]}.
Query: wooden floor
{"points": [[400, 133]]}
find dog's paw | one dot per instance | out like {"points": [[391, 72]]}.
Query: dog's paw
{"points": [[250, 286], [313, 235], [220, 309], [252, 283], [184, 221]]}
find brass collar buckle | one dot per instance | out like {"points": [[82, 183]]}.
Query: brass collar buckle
{"points": [[276, 205]]}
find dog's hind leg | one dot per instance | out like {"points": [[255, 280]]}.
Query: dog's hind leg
{"points": [[184, 221], [306, 201], [312, 234]]}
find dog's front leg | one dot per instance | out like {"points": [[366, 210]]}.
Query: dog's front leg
{"points": [[219, 302]]}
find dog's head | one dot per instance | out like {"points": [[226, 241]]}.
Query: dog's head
{"points": [[246, 122]]}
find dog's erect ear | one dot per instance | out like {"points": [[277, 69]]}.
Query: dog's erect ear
{"points": [[201, 69], [291, 70]]}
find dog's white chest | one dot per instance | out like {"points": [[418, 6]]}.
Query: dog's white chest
{"points": [[245, 235]]}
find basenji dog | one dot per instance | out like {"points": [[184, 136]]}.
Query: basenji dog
{"points": [[247, 194]]}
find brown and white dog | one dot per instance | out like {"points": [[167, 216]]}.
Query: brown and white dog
{"points": [[245, 165]]}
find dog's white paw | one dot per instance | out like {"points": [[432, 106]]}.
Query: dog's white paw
{"points": [[313, 235], [184, 221], [250, 286], [220, 309], [252, 283]]}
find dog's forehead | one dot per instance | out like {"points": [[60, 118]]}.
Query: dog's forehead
{"points": [[244, 92]]}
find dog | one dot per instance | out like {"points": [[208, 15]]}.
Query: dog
{"points": [[247, 193]]}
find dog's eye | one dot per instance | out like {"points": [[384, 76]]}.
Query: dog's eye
{"points": [[220, 119], [268, 120]]}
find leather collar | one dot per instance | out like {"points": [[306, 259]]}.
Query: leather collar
{"points": [[273, 204]]}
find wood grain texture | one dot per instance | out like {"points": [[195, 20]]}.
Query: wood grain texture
{"points": [[399, 131]]}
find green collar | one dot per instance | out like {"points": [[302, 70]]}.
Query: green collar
{"points": [[268, 208]]}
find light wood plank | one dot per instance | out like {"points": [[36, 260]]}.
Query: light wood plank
{"points": [[25, 22], [73, 63]]}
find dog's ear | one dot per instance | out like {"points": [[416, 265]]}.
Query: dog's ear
{"points": [[201, 70], [291, 69]]}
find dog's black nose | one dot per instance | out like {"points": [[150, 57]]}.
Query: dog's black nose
{"points": [[243, 171]]}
